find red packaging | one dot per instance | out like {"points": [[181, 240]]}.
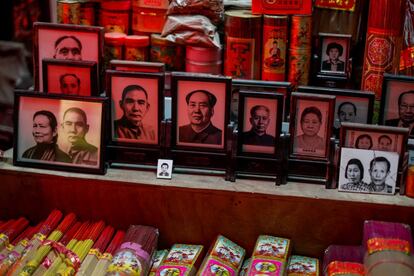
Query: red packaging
{"points": [[136, 48], [68, 12], [147, 20], [165, 51], [115, 16], [383, 43], [152, 4], [87, 13], [243, 43], [282, 7], [275, 29], [114, 43], [203, 60]]}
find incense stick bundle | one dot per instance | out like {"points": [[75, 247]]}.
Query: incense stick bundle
{"points": [[92, 259], [50, 224], [43, 250], [388, 249], [15, 254], [13, 230], [106, 258], [6, 251], [139, 244], [54, 264], [81, 250]]}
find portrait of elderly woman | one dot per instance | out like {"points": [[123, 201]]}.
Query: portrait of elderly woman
{"points": [[354, 175], [45, 136], [310, 142]]}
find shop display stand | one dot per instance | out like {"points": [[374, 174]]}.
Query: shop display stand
{"points": [[196, 208]]}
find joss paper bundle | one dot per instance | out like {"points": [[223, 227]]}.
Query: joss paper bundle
{"points": [[344, 260], [106, 258]]}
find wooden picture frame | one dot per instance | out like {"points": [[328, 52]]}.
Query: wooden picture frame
{"points": [[62, 41], [284, 88], [397, 102], [334, 54], [70, 77], [137, 66], [68, 132], [137, 111], [348, 104], [200, 101]]}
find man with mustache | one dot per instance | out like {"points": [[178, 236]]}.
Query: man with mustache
{"points": [[134, 104], [75, 127], [200, 109], [405, 111], [259, 119]]}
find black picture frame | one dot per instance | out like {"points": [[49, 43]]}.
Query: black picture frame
{"points": [[284, 88], [347, 96], [277, 117], [53, 31], [137, 66], [127, 150], [214, 155], [42, 100], [330, 40], [73, 66], [390, 97]]}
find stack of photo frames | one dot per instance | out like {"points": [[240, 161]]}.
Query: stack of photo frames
{"points": [[61, 125], [371, 159]]}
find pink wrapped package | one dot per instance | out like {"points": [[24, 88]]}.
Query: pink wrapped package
{"points": [[343, 260]]}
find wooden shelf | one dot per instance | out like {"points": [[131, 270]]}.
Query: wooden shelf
{"points": [[195, 208]]}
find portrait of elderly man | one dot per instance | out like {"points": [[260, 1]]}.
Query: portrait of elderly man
{"points": [[405, 112], [134, 105], [68, 47], [259, 119], [379, 169], [75, 127], [200, 110]]}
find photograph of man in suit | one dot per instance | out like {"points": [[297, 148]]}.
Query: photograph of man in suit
{"points": [[135, 106], [379, 169], [164, 170], [405, 112], [259, 119], [75, 127], [200, 109], [333, 63]]}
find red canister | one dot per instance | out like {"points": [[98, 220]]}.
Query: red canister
{"points": [[153, 4], [68, 11], [115, 16], [275, 30], [203, 60], [165, 51], [243, 44], [114, 43], [136, 47], [146, 20], [87, 13]]}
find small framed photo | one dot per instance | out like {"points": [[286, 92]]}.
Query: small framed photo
{"points": [[260, 122], [283, 88], [311, 121], [67, 42], [137, 66], [368, 171], [397, 103], [164, 168], [59, 132], [334, 53], [137, 107], [374, 137], [352, 106], [200, 113], [70, 77]]}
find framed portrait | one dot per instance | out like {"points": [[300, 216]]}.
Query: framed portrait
{"points": [[59, 132], [334, 53], [311, 120], [200, 112], [137, 66], [137, 108], [353, 106], [283, 88], [260, 122], [397, 102], [67, 42], [374, 137], [70, 77], [368, 171]]}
